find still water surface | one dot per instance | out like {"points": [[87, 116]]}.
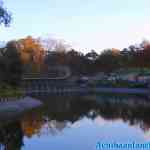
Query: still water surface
{"points": [[78, 123]]}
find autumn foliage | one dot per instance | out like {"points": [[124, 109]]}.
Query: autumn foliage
{"points": [[28, 55], [31, 52], [35, 56]]}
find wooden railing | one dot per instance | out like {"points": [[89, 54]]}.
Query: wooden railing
{"points": [[64, 73]]}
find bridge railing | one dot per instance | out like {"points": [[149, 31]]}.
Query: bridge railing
{"points": [[57, 73], [39, 76]]}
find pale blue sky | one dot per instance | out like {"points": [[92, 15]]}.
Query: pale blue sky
{"points": [[85, 24]]}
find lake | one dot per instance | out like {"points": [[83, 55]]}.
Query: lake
{"points": [[79, 123]]}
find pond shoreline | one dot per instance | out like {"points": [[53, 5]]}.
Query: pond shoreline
{"points": [[144, 91], [65, 90]]}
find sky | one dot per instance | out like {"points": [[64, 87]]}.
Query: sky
{"points": [[84, 24]]}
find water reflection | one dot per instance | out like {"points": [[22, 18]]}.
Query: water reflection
{"points": [[11, 136], [71, 117]]}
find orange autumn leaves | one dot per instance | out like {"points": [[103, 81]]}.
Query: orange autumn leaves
{"points": [[31, 52]]}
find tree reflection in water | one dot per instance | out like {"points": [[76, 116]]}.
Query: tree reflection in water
{"points": [[59, 113], [11, 136]]}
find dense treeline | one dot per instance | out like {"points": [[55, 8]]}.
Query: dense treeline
{"points": [[30, 55], [109, 60]]}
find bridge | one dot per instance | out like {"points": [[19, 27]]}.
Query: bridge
{"points": [[64, 73], [44, 84], [45, 81], [51, 83]]}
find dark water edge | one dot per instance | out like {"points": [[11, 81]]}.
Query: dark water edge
{"points": [[86, 90]]}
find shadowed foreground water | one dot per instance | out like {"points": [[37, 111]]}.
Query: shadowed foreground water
{"points": [[78, 123]]}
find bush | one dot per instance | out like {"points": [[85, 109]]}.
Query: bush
{"points": [[8, 91]]}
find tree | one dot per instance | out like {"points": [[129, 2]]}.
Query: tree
{"points": [[51, 44], [143, 57], [13, 64], [92, 55], [5, 16], [31, 53], [109, 60], [128, 58], [10, 65]]}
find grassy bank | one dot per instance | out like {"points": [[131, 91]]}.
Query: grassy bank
{"points": [[8, 91]]}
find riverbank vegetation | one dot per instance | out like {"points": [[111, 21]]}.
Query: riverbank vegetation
{"points": [[28, 55], [9, 91], [37, 55]]}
